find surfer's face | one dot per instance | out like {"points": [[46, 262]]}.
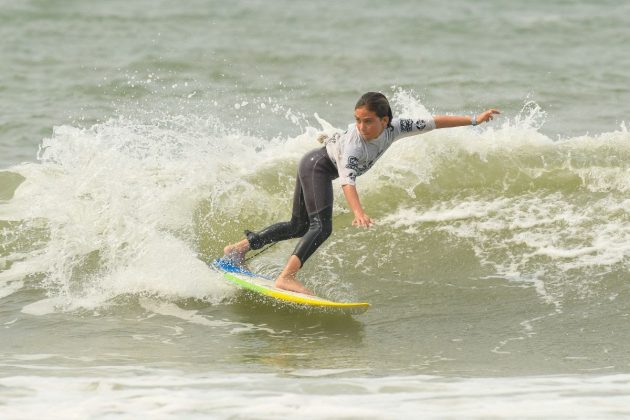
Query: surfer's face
{"points": [[370, 126]]}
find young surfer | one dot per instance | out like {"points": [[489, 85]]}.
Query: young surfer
{"points": [[345, 156]]}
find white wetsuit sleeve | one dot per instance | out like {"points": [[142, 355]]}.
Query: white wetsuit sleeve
{"points": [[405, 127], [348, 165]]}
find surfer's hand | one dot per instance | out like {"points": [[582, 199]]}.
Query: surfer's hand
{"points": [[362, 220], [486, 116]]}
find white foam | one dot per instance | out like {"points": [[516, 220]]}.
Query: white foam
{"points": [[118, 203], [444, 212], [531, 238], [168, 394], [44, 306], [555, 252], [10, 287]]}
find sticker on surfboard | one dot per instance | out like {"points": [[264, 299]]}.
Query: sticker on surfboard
{"points": [[263, 285]]}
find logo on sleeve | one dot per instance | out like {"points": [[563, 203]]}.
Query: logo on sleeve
{"points": [[355, 167], [406, 125], [353, 163], [358, 167], [421, 124]]}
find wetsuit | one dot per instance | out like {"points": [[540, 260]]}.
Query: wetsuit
{"points": [[346, 154], [311, 217]]}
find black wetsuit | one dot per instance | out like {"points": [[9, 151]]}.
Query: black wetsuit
{"points": [[312, 208]]}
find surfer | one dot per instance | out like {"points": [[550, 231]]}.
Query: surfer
{"points": [[345, 156]]}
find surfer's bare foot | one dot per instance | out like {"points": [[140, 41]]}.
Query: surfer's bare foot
{"points": [[290, 283], [287, 280], [236, 252]]}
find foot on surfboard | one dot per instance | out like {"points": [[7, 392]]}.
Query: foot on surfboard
{"points": [[291, 284], [265, 286], [232, 254]]}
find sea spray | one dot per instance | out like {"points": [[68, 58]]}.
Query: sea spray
{"points": [[138, 206]]}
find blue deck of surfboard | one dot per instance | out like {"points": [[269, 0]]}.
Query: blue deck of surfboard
{"points": [[229, 266]]}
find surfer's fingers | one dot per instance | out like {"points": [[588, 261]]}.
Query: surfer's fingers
{"points": [[368, 223], [489, 114], [363, 222]]}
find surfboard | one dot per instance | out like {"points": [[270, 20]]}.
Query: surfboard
{"points": [[264, 286]]}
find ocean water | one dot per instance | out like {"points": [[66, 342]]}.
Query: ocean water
{"points": [[138, 138]]}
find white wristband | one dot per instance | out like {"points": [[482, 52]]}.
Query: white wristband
{"points": [[473, 120]]}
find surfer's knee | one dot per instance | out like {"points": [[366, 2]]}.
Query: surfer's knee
{"points": [[299, 227], [323, 221], [326, 229], [319, 230], [294, 228]]}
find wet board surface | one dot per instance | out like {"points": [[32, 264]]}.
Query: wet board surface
{"points": [[264, 286]]}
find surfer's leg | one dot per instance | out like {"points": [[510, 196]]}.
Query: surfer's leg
{"points": [[316, 174], [294, 228], [319, 230]]}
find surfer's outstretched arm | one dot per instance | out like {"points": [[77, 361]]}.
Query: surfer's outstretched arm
{"points": [[446, 121]]}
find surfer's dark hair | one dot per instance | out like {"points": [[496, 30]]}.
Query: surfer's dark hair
{"points": [[377, 103]]}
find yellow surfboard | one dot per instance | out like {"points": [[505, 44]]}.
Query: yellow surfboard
{"points": [[263, 285]]}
